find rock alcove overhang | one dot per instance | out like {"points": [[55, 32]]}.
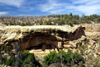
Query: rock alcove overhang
{"points": [[24, 34]]}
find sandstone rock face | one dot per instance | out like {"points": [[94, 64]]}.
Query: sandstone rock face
{"points": [[92, 42], [47, 35], [77, 43], [93, 35], [92, 31], [92, 27], [37, 40]]}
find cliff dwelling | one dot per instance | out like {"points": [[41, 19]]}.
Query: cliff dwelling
{"points": [[40, 37]]}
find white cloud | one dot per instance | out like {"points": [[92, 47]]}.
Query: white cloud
{"points": [[89, 2], [3, 13], [86, 7], [26, 9], [57, 11], [23, 5], [92, 9], [16, 3], [80, 1], [52, 6]]}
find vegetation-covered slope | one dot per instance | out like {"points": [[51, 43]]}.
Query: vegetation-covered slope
{"points": [[49, 20]]}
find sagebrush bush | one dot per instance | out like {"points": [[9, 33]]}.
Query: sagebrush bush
{"points": [[77, 58], [97, 64], [82, 48], [27, 60], [81, 64], [63, 57], [51, 58], [3, 60], [10, 61], [5, 48], [30, 61]]}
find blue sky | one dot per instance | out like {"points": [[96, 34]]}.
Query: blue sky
{"points": [[47, 7]]}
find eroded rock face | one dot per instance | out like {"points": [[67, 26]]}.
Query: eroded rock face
{"points": [[92, 31], [92, 42], [77, 43], [47, 36], [37, 40]]}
